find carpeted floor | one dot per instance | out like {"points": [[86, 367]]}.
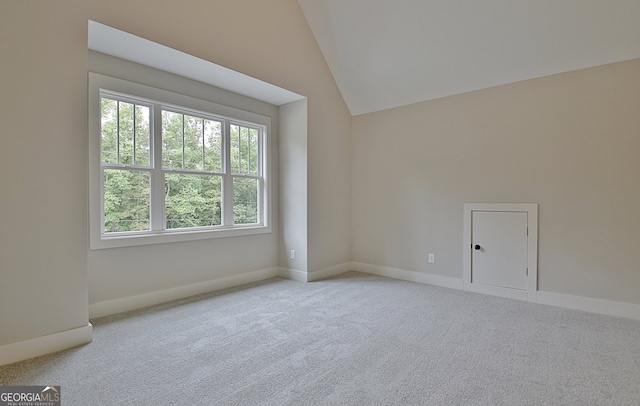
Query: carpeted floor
{"points": [[355, 339]]}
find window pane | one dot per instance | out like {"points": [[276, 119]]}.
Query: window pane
{"points": [[192, 200], [244, 149], [212, 146], [253, 151], [126, 200], [193, 145], [109, 131], [234, 136], [171, 140], [142, 136], [125, 135], [245, 200]]}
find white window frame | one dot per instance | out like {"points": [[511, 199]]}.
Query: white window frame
{"points": [[176, 102]]}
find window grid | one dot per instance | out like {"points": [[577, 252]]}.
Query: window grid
{"points": [[228, 206]]}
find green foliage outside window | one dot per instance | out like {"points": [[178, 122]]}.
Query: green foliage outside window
{"points": [[192, 200], [126, 200], [126, 140], [192, 152]]}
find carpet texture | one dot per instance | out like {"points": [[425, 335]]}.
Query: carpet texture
{"points": [[354, 339]]}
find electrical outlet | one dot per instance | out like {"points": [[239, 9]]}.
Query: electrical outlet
{"points": [[432, 258], [292, 254]]}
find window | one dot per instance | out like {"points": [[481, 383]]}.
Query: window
{"points": [[168, 167]]}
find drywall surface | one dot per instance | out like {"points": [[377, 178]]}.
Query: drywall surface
{"points": [[568, 142], [43, 177], [293, 186], [274, 45], [46, 268], [121, 272], [329, 184]]}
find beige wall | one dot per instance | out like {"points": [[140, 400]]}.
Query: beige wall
{"points": [[293, 186], [44, 264], [569, 142], [329, 179], [43, 194], [123, 272]]}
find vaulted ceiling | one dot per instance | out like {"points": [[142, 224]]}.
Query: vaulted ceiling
{"points": [[389, 53]]}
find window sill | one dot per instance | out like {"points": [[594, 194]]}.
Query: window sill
{"points": [[161, 237]]}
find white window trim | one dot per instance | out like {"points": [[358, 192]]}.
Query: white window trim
{"points": [[100, 240]]}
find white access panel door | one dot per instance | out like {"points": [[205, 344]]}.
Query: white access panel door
{"points": [[499, 249]]}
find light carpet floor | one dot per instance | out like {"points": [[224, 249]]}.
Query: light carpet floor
{"points": [[355, 339]]}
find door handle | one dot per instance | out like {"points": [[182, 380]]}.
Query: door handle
{"points": [[476, 247]]}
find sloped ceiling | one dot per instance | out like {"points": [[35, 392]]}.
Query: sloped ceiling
{"points": [[389, 53]]}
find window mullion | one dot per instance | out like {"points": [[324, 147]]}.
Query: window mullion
{"points": [[134, 134], [204, 168], [118, 131], [157, 175], [227, 179], [182, 141], [261, 176], [261, 151], [102, 214], [261, 208]]}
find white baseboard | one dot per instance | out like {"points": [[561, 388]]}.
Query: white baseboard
{"points": [[587, 304], [35, 347], [302, 276], [329, 272], [115, 306], [430, 279], [497, 291], [293, 274], [106, 308]]}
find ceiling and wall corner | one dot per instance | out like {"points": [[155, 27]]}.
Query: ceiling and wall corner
{"points": [[384, 54]]}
